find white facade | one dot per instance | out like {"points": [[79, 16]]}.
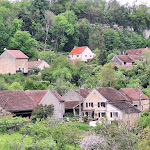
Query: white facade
{"points": [[86, 55]]}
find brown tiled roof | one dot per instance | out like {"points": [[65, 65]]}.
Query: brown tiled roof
{"points": [[83, 92], [111, 94], [71, 104], [125, 58], [33, 64], [37, 95], [16, 101], [61, 99], [126, 107], [135, 51], [133, 93], [17, 53]]}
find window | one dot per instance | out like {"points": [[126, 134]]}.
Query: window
{"points": [[23, 62], [86, 104], [115, 114], [90, 55], [77, 55], [103, 114], [72, 55], [85, 55], [135, 106], [111, 114], [124, 63], [90, 104], [101, 104]]}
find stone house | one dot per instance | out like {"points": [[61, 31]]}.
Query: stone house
{"points": [[12, 61], [81, 53], [17, 102], [41, 64], [74, 98], [137, 98], [124, 61], [110, 103], [46, 97]]}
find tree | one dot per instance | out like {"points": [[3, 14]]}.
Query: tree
{"points": [[65, 31], [42, 112], [15, 86], [84, 32], [107, 75], [23, 41]]}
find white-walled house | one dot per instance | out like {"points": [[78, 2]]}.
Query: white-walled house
{"points": [[81, 53], [110, 103]]}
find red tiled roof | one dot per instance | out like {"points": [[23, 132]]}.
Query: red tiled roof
{"points": [[33, 64], [37, 95], [111, 94], [71, 104], [17, 53], [125, 58], [83, 92], [135, 51], [126, 107], [78, 50], [133, 93], [16, 101], [61, 99]]}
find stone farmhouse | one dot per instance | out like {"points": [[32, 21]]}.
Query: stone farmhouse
{"points": [[123, 61], [17, 102], [12, 61], [110, 103], [81, 53], [46, 97], [128, 59], [41, 64], [22, 103], [74, 98], [137, 98]]}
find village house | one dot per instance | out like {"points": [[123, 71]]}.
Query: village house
{"points": [[128, 59], [124, 61], [41, 64], [74, 98], [110, 103], [46, 97], [81, 53], [12, 61], [17, 102], [137, 98]]}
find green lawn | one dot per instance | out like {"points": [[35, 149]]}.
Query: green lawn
{"points": [[82, 126]]}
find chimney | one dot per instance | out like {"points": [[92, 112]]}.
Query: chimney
{"points": [[39, 59], [5, 49]]}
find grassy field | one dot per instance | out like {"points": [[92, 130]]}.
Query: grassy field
{"points": [[81, 126]]}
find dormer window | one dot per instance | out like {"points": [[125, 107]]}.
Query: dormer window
{"points": [[101, 104]]}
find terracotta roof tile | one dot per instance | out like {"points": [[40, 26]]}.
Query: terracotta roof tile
{"points": [[135, 51], [60, 98], [16, 101], [126, 107], [71, 104], [37, 95], [133, 93], [125, 58], [17, 53], [83, 92], [78, 50], [32, 64], [111, 94]]}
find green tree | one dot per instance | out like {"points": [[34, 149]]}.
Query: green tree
{"points": [[42, 112], [15, 86], [23, 41], [107, 75]]}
